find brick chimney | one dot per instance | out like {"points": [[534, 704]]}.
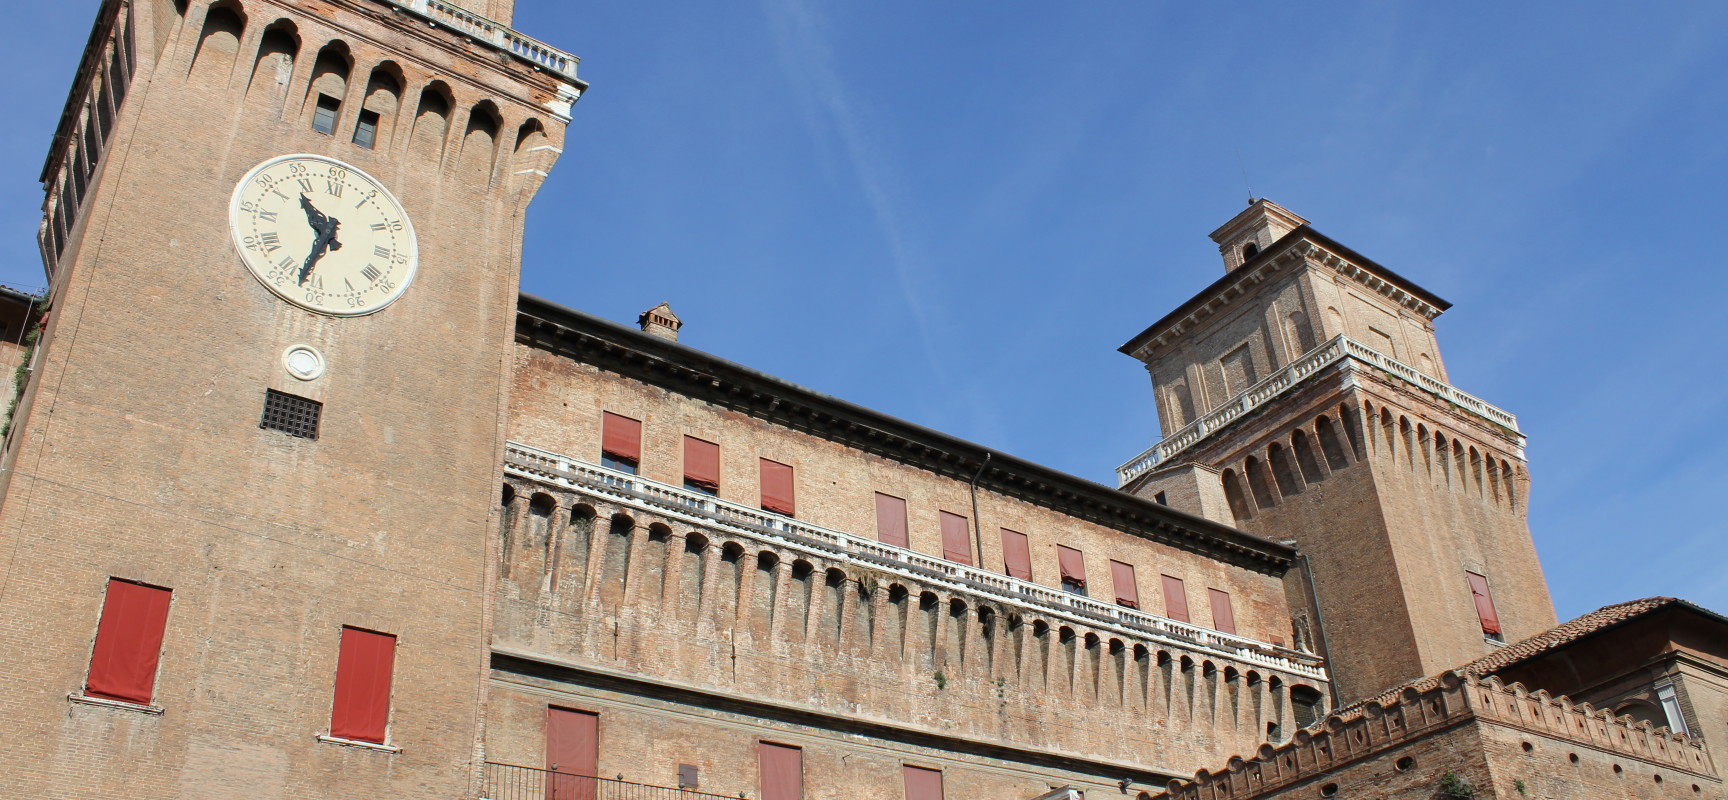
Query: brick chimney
{"points": [[660, 321]]}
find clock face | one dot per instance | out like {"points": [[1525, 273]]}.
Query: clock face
{"points": [[323, 235]]}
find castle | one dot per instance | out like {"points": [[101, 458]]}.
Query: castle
{"points": [[304, 498]]}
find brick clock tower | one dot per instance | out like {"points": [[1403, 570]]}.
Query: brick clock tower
{"points": [[1302, 397], [248, 485]]}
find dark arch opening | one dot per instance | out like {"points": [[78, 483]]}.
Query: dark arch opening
{"points": [[1233, 494], [1257, 483], [1305, 458]]}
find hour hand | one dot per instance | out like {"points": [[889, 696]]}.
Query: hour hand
{"points": [[325, 241]]}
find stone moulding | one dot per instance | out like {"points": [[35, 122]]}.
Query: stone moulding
{"points": [[561, 471], [1351, 355], [1374, 727]]}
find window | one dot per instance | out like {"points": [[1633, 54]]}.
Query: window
{"points": [[701, 466], [1160, 499], [1122, 579], [366, 129], [1223, 616], [891, 520], [777, 493], [572, 753], [1175, 599], [620, 442], [128, 642], [1238, 370], [361, 709], [782, 771], [324, 116], [1671, 708], [1249, 251], [291, 414], [1304, 705], [1073, 565], [1484, 607], [921, 783], [956, 539], [1016, 555]]}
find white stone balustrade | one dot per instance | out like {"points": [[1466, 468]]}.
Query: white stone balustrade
{"points": [[782, 532], [496, 34], [1339, 348]]}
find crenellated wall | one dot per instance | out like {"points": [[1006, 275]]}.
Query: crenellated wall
{"points": [[1501, 740]]}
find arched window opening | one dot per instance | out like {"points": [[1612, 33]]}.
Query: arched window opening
{"points": [[530, 136], [1330, 447], [1442, 459], [1305, 459], [1352, 424], [168, 16], [1388, 432], [329, 86], [274, 66], [1283, 471], [1408, 435], [479, 143], [1238, 501], [218, 45], [1493, 470], [1511, 479], [1459, 465], [1183, 407], [1301, 333], [431, 122], [1476, 471], [377, 119], [1257, 484], [1422, 442], [1305, 705], [1249, 251], [508, 496]]}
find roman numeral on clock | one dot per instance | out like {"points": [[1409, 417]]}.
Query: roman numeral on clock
{"points": [[267, 216], [305, 185], [270, 242], [371, 273], [381, 251], [379, 226], [333, 188]]}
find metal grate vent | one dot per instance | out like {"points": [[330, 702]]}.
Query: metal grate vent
{"points": [[295, 416]]}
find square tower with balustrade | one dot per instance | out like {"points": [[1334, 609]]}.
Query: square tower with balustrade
{"points": [[1302, 397]]}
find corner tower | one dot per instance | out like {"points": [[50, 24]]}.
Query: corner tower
{"points": [[251, 479], [1302, 397]]}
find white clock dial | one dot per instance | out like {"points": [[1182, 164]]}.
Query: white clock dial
{"points": [[323, 235]]}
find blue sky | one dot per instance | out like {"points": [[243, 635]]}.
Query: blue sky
{"points": [[955, 212]]}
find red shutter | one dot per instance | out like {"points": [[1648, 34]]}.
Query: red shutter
{"points": [[1484, 604], [777, 488], [782, 771], [128, 642], [921, 783], [1073, 565], [621, 437], [1017, 554], [573, 750], [1175, 599], [1122, 578], [702, 463], [1223, 616], [956, 539], [891, 520], [361, 710]]}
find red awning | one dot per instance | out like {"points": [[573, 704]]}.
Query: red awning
{"points": [[1484, 604], [1016, 554], [777, 494], [621, 437], [702, 463], [1122, 578], [1072, 564], [956, 539], [1223, 616], [1175, 599], [891, 520]]}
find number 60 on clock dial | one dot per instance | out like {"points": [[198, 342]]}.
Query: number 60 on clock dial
{"points": [[323, 235]]}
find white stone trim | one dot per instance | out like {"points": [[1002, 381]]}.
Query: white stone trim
{"points": [[80, 697], [327, 739]]}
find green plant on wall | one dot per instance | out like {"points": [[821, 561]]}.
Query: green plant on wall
{"points": [[941, 680], [1455, 786], [21, 375], [1518, 783]]}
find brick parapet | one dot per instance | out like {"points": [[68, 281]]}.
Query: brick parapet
{"points": [[1369, 729]]}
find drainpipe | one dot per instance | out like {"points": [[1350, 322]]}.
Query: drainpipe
{"points": [[977, 527], [1319, 625]]}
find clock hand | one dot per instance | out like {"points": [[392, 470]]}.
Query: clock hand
{"points": [[325, 226]]}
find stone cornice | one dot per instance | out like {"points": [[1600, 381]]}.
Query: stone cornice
{"points": [[679, 368], [1299, 247]]}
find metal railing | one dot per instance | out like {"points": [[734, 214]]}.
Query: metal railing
{"points": [[512, 782], [772, 529], [493, 33], [1338, 348]]}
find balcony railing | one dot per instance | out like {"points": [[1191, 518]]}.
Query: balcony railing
{"points": [[1338, 348], [511, 782], [778, 531], [493, 33]]}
